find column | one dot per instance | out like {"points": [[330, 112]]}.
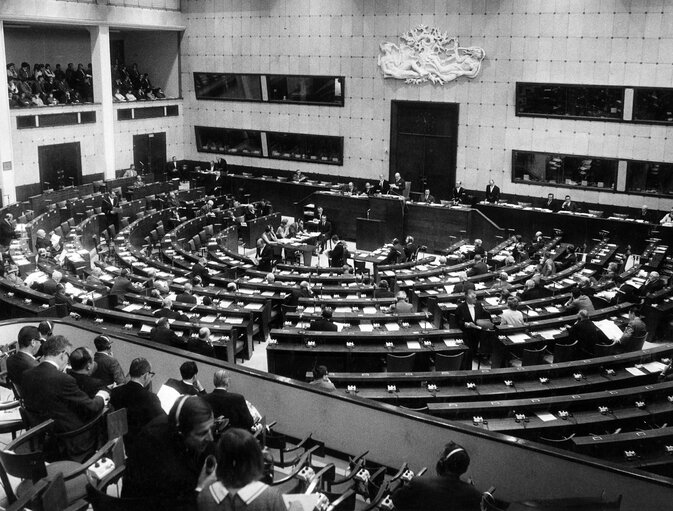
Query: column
{"points": [[102, 93], [6, 151]]}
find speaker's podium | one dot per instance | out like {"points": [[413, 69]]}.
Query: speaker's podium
{"points": [[370, 234]]}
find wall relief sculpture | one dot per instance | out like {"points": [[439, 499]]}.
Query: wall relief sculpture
{"points": [[428, 54]]}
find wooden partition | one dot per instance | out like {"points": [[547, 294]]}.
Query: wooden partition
{"points": [[519, 469]]}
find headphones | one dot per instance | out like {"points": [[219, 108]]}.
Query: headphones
{"points": [[107, 340], [50, 326], [444, 463], [178, 412]]}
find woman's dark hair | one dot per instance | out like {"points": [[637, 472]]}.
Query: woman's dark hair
{"points": [[188, 412], [453, 460], [239, 458], [319, 372]]}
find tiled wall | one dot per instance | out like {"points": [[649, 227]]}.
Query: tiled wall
{"points": [[620, 42], [168, 5]]}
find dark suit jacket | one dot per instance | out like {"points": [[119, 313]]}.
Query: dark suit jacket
{"points": [[401, 185], [463, 314], [383, 293], [339, 256], [568, 207], [430, 199], [17, 364], [296, 294], [437, 492], [166, 336], [409, 251], [166, 313], [186, 298], [394, 256], [479, 268], [51, 394], [458, 194], [183, 388], [461, 287], [108, 369], [6, 233], [141, 407], [49, 286], [323, 325], [492, 194], [232, 406], [549, 204], [382, 187], [587, 334], [87, 383], [198, 270], [265, 259], [651, 287], [326, 228], [121, 286]]}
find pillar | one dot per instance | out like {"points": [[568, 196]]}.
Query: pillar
{"points": [[6, 152], [102, 93]]}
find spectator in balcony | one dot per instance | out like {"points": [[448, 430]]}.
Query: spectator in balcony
{"points": [[48, 73], [59, 74], [446, 491], [70, 75], [25, 74]]}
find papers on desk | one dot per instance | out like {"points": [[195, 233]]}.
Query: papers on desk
{"points": [[425, 325], [300, 501], [247, 291], [492, 300], [351, 297], [518, 338], [268, 293], [255, 280], [345, 310], [180, 280], [132, 307], [635, 371], [366, 327], [549, 334], [224, 304], [392, 327], [654, 367], [208, 319], [432, 291], [434, 279], [612, 331], [10, 415], [369, 310], [545, 416], [451, 343], [552, 308], [607, 295], [233, 321], [146, 329], [167, 397], [448, 288], [413, 345], [254, 306], [479, 285]]}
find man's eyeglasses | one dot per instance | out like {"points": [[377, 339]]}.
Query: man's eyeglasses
{"points": [[151, 373]]}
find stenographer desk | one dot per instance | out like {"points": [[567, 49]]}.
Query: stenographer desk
{"points": [[282, 193]]}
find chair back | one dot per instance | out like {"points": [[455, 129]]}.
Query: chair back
{"points": [[636, 343], [101, 501], [532, 357], [400, 363], [449, 362], [565, 352], [604, 350]]}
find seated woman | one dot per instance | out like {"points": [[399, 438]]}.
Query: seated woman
{"points": [[511, 316], [240, 466], [283, 230]]}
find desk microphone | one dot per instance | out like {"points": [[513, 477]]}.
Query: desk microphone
{"points": [[368, 211]]}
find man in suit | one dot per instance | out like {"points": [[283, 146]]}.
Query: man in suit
{"points": [[166, 310], [382, 185], [383, 291], [402, 305], [492, 192], [667, 219], [7, 233], [634, 334], [24, 358], [189, 385], [550, 203], [530, 291], [186, 296], [426, 197], [463, 285], [303, 291], [325, 229], [49, 393], [81, 366], [339, 254], [645, 215], [227, 404], [265, 256], [478, 268], [653, 284], [173, 168], [122, 285], [469, 314], [325, 323], [50, 285], [586, 333], [458, 194], [141, 404], [350, 189], [163, 334], [399, 184], [108, 368], [568, 205], [369, 189], [410, 248], [395, 254], [200, 269], [108, 205]]}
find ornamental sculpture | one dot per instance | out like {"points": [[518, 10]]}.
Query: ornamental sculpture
{"points": [[427, 54]]}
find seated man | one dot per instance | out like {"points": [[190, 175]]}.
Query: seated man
{"points": [[667, 219], [402, 305], [634, 335], [644, 215], [568, 205], [398, 185], [463, 284], [369, 189], [382, 185], [350, 189], [162, 334], [325, 323], [108, 368], [321, 379], [200, 269], [131, 171], [653, 284], [228, 404], [49, 393], [166, 310], [445, 491], [141, 404], [579, 301], [24, 357], [478, 248], [550, 203], [383, 291], [189, 385], [426, 197], [410, 249], [586, 333], [478, 268], [512, 316], [186, 296], [395, 254], [81, 367], [303, 291]]}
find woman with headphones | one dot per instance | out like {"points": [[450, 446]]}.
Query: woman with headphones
{"points": [[172, 458], [446, 491]]}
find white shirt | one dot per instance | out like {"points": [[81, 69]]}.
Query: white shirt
{"points": [[470, 307]]}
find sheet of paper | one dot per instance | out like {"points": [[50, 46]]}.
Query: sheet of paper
{"points": [[545, 416], [254, 306], [167, 397], [208, 319], [132, 307], [612, 331], [352, 297], [392, 327], [492, 300], [654, 367], [448, 288], [268, 293], [343, 310], [425, 324], [233, 321], [300, 501], [518, 338], [146, 329], [247, 291], [369, 310], [413, 345], [451, 343], [551, 308], [548, 334], [635, 371], [366, 327]]}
